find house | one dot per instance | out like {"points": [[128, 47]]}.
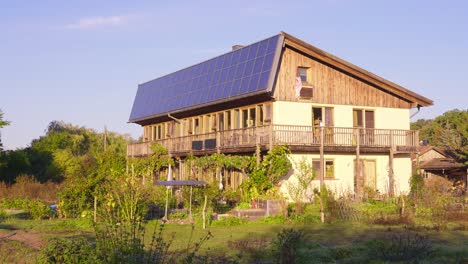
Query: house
{"points": [[434, 162], [352, 125]]}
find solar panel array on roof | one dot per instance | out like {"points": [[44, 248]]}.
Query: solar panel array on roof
{"points": [[237, 73]]}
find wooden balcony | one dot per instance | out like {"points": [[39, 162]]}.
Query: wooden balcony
{"points": [[298, 138]]}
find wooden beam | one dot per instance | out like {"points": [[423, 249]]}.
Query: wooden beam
{"points": [[322, 158]]}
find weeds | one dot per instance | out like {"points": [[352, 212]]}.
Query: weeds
{"points": [[286, 244], [402, 247]]}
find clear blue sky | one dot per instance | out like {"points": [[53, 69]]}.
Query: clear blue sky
{"points": [[81, 61]]}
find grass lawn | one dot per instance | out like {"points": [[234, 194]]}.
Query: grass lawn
{"points": [[345, 242]]}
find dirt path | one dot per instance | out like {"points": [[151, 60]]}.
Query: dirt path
{"points": [[30, 239]]}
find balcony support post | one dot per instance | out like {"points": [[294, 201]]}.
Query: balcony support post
{"points": [[322, 158], [391, 178], [358, 181]]}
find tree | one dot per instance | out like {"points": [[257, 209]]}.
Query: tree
{"points": [[449, 130], [300, 189], [2, 124]]}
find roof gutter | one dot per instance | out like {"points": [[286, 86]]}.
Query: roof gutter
{"points": [[173, 118]]}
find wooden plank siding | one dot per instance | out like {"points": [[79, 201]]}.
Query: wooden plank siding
{"points": [[330, 85]]}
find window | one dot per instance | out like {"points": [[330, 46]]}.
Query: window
{"points": [[302, 73], [363, 118], [221, 121], [236, 119], [268, 113], [158, 132], [196, 126], [252, 117], [260, 115], [245, 118], [228, 119], [322, 114], [329, 168]]}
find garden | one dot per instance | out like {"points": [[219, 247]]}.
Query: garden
{"points": [[87, 203]]}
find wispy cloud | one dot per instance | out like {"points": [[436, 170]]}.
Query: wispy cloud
{"points": [[101, 21]]}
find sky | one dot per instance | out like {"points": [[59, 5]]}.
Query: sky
{"points": [[81, 61]]}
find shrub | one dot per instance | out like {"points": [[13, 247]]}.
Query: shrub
{"points": [[375, 210], [243, 205], [405, 247], [286, 244], [178, 215], [2, 215], [39, 210], [28, 187], [273, 220], [69, 250]]}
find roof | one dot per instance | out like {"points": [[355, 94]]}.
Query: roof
{"points": [[244, 72], [443, 151], [238, 74], [441, 164]]}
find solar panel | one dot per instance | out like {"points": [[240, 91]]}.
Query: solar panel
{"points": [[237, 73]]}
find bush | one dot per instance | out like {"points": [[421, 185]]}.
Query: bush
{"points": [[286, 244], [273, 220], [39, 210], [406, 247], [2, 215], [28, 187], [243, 205], [69, 250], [374, 210], [17, 203]]}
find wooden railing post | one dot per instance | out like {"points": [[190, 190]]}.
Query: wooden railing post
{"points": [[218, 141], [257, 145], [271, 136], [416, 138]]}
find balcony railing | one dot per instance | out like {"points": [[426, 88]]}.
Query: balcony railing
{"points": [[269, 135]]}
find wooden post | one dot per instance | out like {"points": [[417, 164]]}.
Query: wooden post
{"points": [[167, 204], [257, 147], [190, 206], [271, 137], [218, 142], [95, 209], [322, 158], [358, 163], [204, 212], [391, 178]]}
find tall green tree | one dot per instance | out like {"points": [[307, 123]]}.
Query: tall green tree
{"points": [[449, 130], [2, 124]]}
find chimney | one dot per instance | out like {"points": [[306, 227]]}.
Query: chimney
{"points": [[236, 47]]}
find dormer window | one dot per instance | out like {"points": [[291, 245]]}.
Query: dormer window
{"points": [[302, 73]]}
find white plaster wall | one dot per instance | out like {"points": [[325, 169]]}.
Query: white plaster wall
{"points": [[403, 172], [343, 183], [300, 113]]}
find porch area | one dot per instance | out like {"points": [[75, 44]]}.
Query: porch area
{"points": [[297, 138]]}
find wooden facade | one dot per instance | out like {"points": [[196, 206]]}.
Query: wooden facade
{"points": [[329, 84]]}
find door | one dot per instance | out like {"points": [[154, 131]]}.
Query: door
{"points": [[370, 175], [365, 121]]}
